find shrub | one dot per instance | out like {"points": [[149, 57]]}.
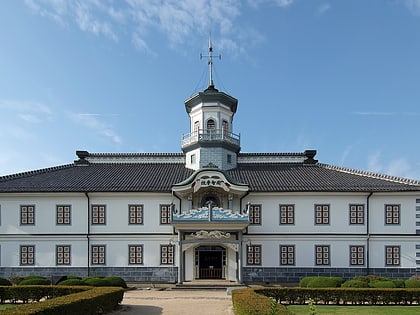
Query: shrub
{"points": [[410, 283], [399, 283], [382, 284], [248, 302], [303, 283], [5, 282], [325, 282], [72, 282], [355, 284], [35, 281], [98, 281]]}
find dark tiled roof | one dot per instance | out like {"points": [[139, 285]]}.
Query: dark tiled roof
{"points": [[104, 177], [159, 177], [297, 177]]}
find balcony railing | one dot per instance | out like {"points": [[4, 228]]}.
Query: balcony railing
{"points": [[207, 135]]}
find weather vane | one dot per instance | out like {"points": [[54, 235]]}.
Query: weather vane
{"points": [[210, 61]]}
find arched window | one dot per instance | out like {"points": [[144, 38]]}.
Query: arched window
{"points": [[211, 125]]}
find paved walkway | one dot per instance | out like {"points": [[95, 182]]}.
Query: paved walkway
{"points": [[175, 302]]}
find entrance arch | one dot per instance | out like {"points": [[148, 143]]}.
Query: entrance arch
{"points": [[210, 262]]}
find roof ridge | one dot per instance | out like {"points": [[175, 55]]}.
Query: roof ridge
{"points": [[391, 178], [35, 172], [136, 154]]}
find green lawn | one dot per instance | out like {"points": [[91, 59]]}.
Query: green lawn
{"points": [[359, 310], [4, 306]]}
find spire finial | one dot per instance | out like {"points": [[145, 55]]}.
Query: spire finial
{"points": [[210, 61]]}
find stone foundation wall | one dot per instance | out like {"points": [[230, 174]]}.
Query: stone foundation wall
{"points": [[293, 275], [129, 274]]}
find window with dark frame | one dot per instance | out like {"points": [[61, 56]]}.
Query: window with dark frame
{"points": [[167, 254], [98, 214], [392, 255], [135, 214], [27, 215], [63, 214], [322, 255], [135, 254], [287, 255], [357, 214], [253, 254], [255, 214], [392, 214], [63, 255], [357, 255], [287, 214], [165, 214], [98, 253], [27, 255], [322, 214]]}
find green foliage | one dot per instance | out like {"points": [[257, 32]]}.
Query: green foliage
{"points": [[321, 282], [89, 302], [312, 310], [98, 281], [72, 282], [35, 281], [382, 284], [410, 283], [355, 284], [248, 302], [337, 296], [4, 281], [399, 283]]}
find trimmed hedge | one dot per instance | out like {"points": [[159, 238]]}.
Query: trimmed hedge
{"points": [[248, 302], [33, 293], [368, 296], [90, 302], [321, 282], [412, 283], [98, 281], [72, 282], [4, 281]]}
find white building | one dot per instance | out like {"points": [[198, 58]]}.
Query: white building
{"points": [[210, 212]]}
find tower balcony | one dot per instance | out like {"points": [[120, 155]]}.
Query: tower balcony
{"points": [[209, 136]]}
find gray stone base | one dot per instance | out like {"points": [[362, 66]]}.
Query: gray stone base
{"points": [[293, 275], [129, 274]]}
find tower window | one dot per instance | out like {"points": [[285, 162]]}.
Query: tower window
{"points": [[211, 125], [193, 159], [229, 159]]}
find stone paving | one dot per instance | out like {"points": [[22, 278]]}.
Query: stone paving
{"points": [[175, 302]]}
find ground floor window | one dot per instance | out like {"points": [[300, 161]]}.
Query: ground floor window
{"points": [[167, 254], [135, 253], [27, 255], [63, 254], [98, 254], [253, 255]]}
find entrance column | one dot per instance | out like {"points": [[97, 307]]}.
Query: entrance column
{"points": [[240, 256], [181, 259]]}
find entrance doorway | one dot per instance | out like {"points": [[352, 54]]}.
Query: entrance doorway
{"points": [[210, 262]]}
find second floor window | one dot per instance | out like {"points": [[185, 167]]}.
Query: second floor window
{"points": [[165, 214], [357, 214], [135, 214], [27, 215], [287, 214], [63, 214], [255, 214], [392, 214], [322, 214], [98, 214]]}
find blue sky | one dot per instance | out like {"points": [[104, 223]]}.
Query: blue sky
{"points": [[341, 77]]}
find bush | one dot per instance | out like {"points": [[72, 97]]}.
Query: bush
{"points": [[248, 302], [303, 283], [322, 282], [382, 284], [410, 283], [5, 282], [399, 283], [72, 282], [98, 281], [355, 284], [35, 281]]}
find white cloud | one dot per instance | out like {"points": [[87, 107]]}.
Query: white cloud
{"points": [[412, 5], [180, 21], [29, 111], [323, 8], [400, 166], [94, 122]]}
